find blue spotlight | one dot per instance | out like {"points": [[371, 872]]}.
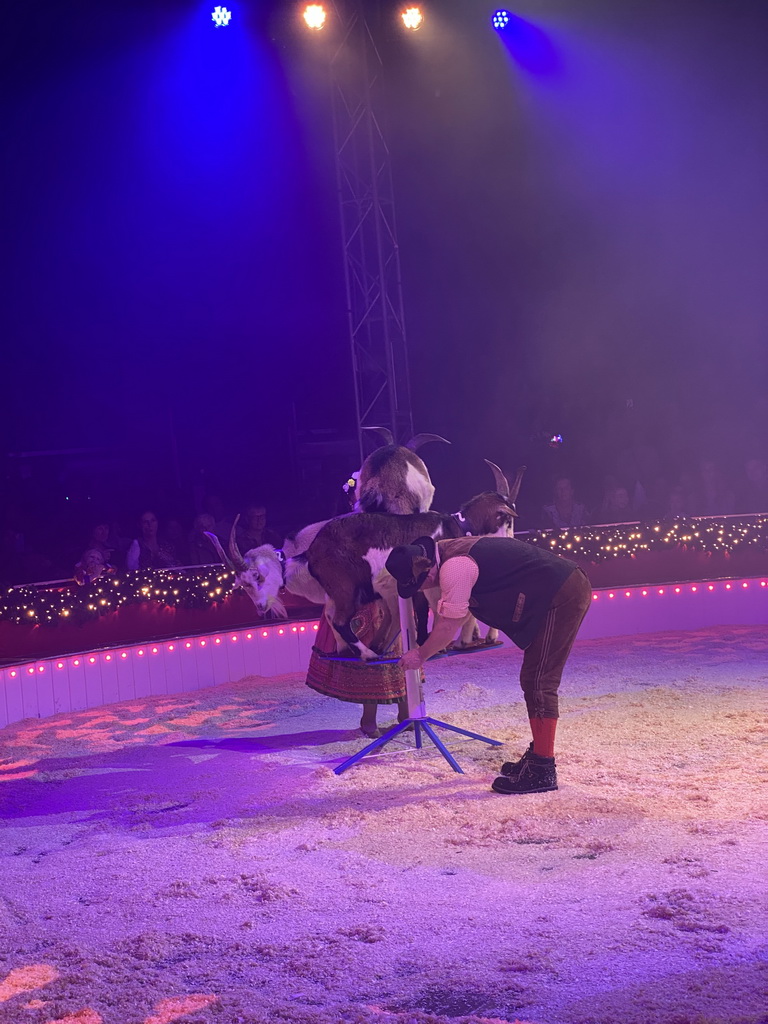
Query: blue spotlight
{"points": [[221, 17], [527, 44]]}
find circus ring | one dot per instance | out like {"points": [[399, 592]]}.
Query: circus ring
{"points": [[688, 575]]}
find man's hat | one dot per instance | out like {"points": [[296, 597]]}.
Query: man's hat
{"points": [[406, 564]]}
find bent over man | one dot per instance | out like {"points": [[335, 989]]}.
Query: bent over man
{"points": [[537, 598]]}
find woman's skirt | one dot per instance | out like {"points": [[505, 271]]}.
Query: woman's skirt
{"points": [[355, 681]]}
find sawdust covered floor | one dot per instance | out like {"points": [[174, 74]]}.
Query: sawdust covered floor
{"points": [[194, 858]]}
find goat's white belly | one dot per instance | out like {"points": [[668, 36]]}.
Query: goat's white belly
{"points": [[376, 558]]}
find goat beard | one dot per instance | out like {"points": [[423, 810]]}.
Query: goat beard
{"points": [[276, 608]]}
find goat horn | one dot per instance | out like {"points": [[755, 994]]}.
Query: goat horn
{"points": [[225, 560], [512, 496], [419, 439], [502, 484], [385, 432], [234, 552]]}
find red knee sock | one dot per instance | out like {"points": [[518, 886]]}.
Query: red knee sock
{"points": [[543, 732]]}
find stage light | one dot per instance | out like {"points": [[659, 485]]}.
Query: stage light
{"points": [[221, 17], [500, 20], [314, 15], [412, 18]]}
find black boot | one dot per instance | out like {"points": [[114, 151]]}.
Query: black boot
{"points": [[537, 775], [513, 767]]}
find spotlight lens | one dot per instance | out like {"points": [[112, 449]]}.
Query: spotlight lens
{"points": [[412, 18], [221, 17], [314, 16], [500, 20]]}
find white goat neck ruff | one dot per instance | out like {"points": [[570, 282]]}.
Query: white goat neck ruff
{"points": [[376, 558]]}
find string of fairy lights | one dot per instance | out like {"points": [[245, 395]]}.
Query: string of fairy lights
{"points": [[708, 536], [168, 588], [206, 588]]}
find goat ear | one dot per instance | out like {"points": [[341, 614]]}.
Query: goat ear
{"points": [[502, 484], [419, 439], [421, 564], [505, 510]]}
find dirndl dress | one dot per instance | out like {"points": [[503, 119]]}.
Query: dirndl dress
{"points": [[356, 681]]}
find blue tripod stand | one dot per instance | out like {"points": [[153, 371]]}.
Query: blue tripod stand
{"points": [[417, 716]]}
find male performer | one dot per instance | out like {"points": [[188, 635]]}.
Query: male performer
{"points": [[537, 598]]}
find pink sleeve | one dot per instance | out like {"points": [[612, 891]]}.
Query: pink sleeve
{"points": [[457, 577]]}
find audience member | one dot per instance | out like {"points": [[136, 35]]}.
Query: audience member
{"points": [[657, 506], [176, 536], [149, 550], [677, 507], [215, 507], [102, 539], [91, 566], [636, 466], [616, 506], [252, 530], [201, 551], [710, 493], [565, 512], [753, 489]]}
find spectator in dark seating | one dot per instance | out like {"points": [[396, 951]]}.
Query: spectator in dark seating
{"points": [[215, 507], [659, 492], [753, 489], [616, 506], [677, 506], [176, 536], [91, 567], [564, 512], [252, 530], [101, 539], [150, 550], [635, 466], [710, 494], [201, 551]]}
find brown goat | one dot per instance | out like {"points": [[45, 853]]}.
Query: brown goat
{"points": [[349, 552], [491, 513], [393, 479]]}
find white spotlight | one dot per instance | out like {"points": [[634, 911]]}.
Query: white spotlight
{"points": [[314, 15], [412, 18]]}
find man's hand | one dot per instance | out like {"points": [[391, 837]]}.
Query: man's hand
{"points": [[411, 659], [442, 633]]}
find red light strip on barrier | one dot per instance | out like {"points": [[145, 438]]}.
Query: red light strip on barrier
{"points": [[692, 588], [141, 651], [733, 586]]}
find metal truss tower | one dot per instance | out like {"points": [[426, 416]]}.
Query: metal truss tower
{"points": [[367, 210]]}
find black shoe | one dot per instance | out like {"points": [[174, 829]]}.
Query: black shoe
{"points": [[513, 767], [537, 775]]}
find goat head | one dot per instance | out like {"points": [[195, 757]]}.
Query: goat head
{"points": [[259, 572]]}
